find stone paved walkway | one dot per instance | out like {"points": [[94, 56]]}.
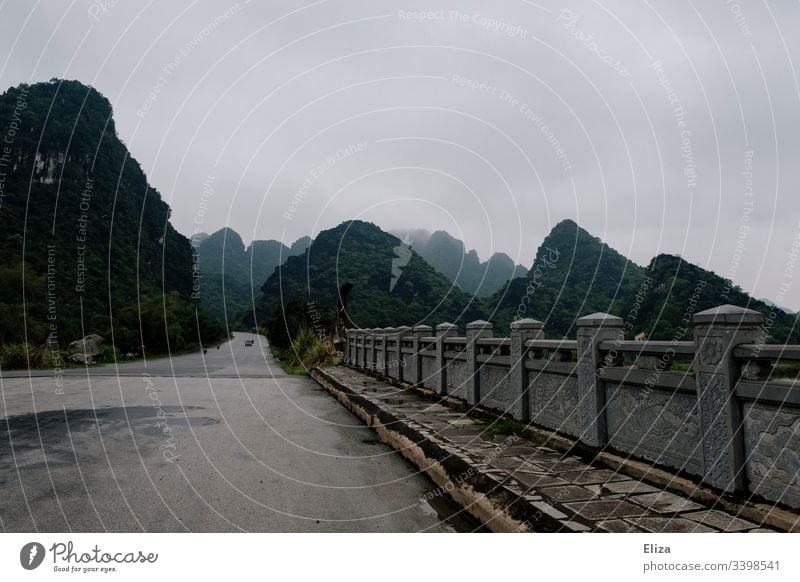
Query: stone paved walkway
{"points": [[564, 489]]}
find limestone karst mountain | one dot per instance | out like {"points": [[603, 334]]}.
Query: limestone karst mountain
{"points": [[232, 274], [449, 256], [392, 284], [86, 244]]}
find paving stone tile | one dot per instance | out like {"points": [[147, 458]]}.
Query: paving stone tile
{"points": [[563, 466], [671, 525], [618, 526], [532, 480], [720, 520], [435, 408], [548, 509], [665, 502], [530, 469], [605, 509], [460, 439], [507, 464], [463, 422], [592, 476], [515, 450], [630, 486], [576, 526], [566, 493]]}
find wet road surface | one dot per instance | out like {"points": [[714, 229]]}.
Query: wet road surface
{"points": [[218, 442]]}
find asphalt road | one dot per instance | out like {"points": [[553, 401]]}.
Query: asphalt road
{"points": [[218, 442]]}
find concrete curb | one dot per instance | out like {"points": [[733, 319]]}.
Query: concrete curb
{"points": [[484, 498]]}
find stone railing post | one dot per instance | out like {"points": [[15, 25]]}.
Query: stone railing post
{"points": [[398, 353], [359, 337], [348, 342], [369, 353], [592, 330], [415, 374], [475, 330], [377, 346], [443, 330], [717, 332], [522, 330], [377, 336], [384, 356], [364, 338]]}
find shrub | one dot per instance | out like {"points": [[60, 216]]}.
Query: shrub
{"points": [[308, 351], [108, 354], [21, 356], [14, 356]]}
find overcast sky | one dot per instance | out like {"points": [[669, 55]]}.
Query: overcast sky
{"points": [[664, 126]]}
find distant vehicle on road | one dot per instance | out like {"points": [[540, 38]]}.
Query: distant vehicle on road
{"points": [[248, 343]]}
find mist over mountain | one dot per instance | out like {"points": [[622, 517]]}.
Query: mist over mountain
{"points": [[449, 256], [87, 247]]}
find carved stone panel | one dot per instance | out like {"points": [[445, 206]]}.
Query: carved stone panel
{"points": [[718, 434], [772, 452], [496, 390], [429, 375], [554, 402], [711, 351], [657, 425], [457, 379]]}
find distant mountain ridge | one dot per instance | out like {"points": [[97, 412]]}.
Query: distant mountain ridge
{"points": [[574, 274], [392, 284], [232, 274], [449, 256]]}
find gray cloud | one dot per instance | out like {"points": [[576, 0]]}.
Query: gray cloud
{"points": [[493, 122]]}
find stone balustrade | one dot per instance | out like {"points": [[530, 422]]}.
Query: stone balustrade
{"points": [[723, 416]]}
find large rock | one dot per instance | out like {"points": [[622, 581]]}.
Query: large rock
{"points": [[84, 350]]}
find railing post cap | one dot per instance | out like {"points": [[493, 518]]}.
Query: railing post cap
{"points": [[600, 320], [479, 324], [422, 328], [729, 315], [446, 327], [389, 329], [526, 324]]}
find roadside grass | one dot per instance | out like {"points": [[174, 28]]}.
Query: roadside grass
{"points": [[283, 362], [307, 352], [22, 356]]}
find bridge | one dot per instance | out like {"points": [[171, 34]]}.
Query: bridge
{"points": [[708, 419]]}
